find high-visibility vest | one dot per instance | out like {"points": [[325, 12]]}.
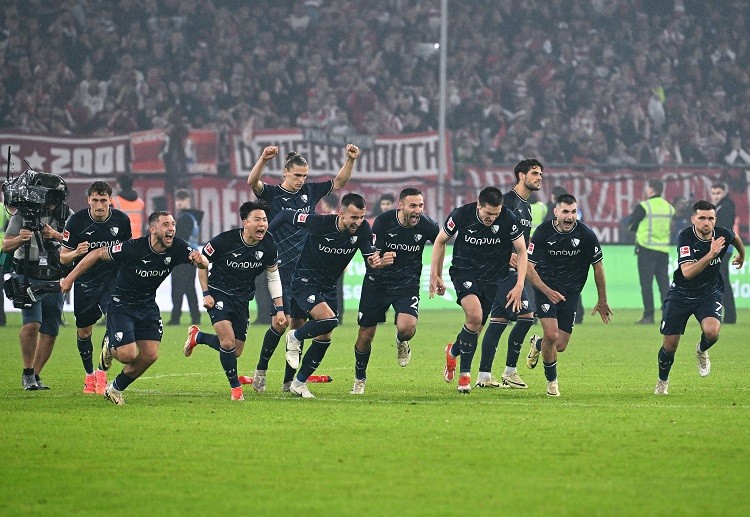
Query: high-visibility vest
{"points": [[653, 230], [134, 210], [538, 213]]}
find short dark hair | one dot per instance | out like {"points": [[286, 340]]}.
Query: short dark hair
{"points": [[99, 187], [182, 194], [125, 181], [249, 206], [294, 158], [409, 191], [566, 198], [156, 215], [353, 199], [331, 200], [387, 197], [491, 196], [526, 165], [559, 190], [722, 186], [657, 186], [703, 205]]}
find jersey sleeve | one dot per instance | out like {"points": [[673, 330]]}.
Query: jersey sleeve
{"points": [[70, 239], [451, 223], [431, 229], [320, 190], [516, 230], [537, 246], [213, 249], [182, 251], [366, 241], [282, 218], [596, 248], [272, 256], [377, 233], [123, 251], [684, 249]]}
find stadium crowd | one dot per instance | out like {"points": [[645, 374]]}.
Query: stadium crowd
{"points": [[567, 81]]}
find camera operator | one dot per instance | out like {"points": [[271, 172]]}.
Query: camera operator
{"points": [[35, 240]]}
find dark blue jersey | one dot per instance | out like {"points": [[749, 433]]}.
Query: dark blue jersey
{"points": [[142, 270], [692, 248], [408, 243], [483, 251], [521, 208], [290, 239], [563, 259], [81, 227], [327, 250], [235, 264]]}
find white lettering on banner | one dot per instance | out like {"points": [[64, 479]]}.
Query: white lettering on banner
{"points": [[403, 155], [62, 156]]}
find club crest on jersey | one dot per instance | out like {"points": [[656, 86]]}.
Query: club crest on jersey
{"points": [[353, 239], [258, 255], [301, 218], [311, 298], [114, 230], [467, 284], [66, 234], [495, 228], [417, 237], [118, 336], [208, 249], [117, 248], [545, 307], [575, 242], [219, 305], [167, 260], [303, 197], [450, 224], [684, 251], [531, 248], [525, 304]]}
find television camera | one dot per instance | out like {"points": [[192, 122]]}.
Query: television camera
{"points": [[36, 194]]}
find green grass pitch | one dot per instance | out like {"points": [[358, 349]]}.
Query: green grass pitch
{"points": [[410, 446]]}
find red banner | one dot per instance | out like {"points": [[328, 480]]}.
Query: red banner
{"points": [[388, 158], [63, 155], [202, 151], [147, 151], [607, 198]]}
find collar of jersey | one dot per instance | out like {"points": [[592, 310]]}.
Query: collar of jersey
{"points": [[289, 191], [713, 234], [88, 211]]}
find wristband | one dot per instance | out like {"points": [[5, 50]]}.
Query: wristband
{"points": [[206, 293], [279, 308]]}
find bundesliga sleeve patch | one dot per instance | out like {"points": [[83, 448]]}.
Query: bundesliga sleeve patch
{"points": [[208, 249], [531, 248], [450, 224], [66, 235], [117, 248], [684, 251], [301, 218]]}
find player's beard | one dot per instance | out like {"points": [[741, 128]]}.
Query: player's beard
{"points": [[532, 187], [163, 242]]}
